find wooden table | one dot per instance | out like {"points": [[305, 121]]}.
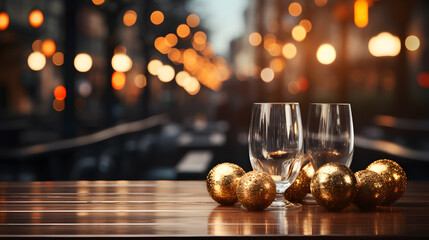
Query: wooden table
{"points": [[184, 209]]}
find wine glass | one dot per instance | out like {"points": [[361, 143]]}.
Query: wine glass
{"points": [[329, 134], [276, 144]]}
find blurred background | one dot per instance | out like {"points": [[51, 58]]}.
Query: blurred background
{"points": [[130, 89]]}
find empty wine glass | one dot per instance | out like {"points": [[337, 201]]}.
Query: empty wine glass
{"points": [[329, 134], [276, 144]]}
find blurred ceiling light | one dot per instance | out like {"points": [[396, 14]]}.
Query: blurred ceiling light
{"points": [[326, 54], [423, 79], [118, 80], [183, 30], [121, 62], [130, 18], [153, 66], [267, 75], [98, 2], [83, 62], [299, 33], [166, 73], [361, 13], [293, 87], [193, 20], [60, 93], [4, 21], [255, 39], [384, 45], [140, 81], [171, 39], [48, 47], [181, 77], [320, 3], [59, 105], [37, 45], [277, 64], [157, 17], [289, 50], [200, 37], [295, 9], [306, 24], [412, 43], [36, 18], [36, 61], [58, 58]]}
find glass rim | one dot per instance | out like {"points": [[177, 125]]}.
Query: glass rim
{"points": [[260, 103], [345, 104]]}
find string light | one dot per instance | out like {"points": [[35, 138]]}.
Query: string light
{"points": [[157, 17], [121, 62], [326, 54], [289, 50], [299, 33], [384, 45], [130, 18], [118, 80], [193, 20], [267, 75], [183, 31], [361, 13], [48, 47], [83, 62], [36, 61], [255, 39], [60, 93], [412, 43], [36, 18], [4, 21]]}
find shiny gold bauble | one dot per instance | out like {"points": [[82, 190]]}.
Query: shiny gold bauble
{"points": [[222, 182], [394, 176], [301, 186], [333, 186], [370, 189], [256, 190]]}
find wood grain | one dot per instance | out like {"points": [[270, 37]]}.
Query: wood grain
{"points": [[184, 209]]}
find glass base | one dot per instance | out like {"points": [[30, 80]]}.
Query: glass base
{"points": [[281, 202]]}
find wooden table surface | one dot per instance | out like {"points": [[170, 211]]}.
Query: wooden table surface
{"points": [[184, 209]]}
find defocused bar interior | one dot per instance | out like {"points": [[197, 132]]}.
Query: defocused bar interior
{"points": [[163, 90]]}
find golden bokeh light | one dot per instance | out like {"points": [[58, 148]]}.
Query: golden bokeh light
{"points": [[299, 33], [36, 18], [130, 18], [98, 2], [162, 45], [157, 17], [37, 45], [121, 62], [140, 81], [4, 21], [171, 39], [48, 47], [361, 13], [193, 20], [277, 64], [412, 43], [83, 62], [120, 49], [200, 38], [174, 55], [269, 39], [58, 58], [255, 39], [191, 85], [59, 105], [118, 80], [306, 24], [183, 31], [153, 66], [267, 75], [293, 87], [289, 50], [60, 92], [166, 73], [384, 45], [36, 61], [295, 9], [275, 49], [181, 77], [326, 54], [320, 3]]}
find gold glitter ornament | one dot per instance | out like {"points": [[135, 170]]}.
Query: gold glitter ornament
{"points": [[222, 182], [333, 186], [394, 176], [256, 190], [301, 186], [370, 189]]}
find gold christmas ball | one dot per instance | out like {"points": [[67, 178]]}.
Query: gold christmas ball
{"points": [[222, 182], [256, 190], [333, 186], [301, 186], [394, 176], [370, 189]]}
